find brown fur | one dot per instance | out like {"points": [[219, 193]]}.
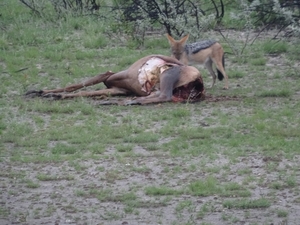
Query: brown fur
{"points": [[126, 83]]}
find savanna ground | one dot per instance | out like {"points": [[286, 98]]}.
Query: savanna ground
{"points": [[232, 161]]}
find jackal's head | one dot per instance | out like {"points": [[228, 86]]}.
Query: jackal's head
{"points": [[177, 47]]}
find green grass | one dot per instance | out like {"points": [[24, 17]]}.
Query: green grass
{"points": [[261, 61], [157, 191], [236, 74], [282, 213], [247, 203], [275, 93], [275, 47], [293, 50], [116, 163], [31, 184], [142, 138], [204, 188], [46, 177], [4, 212]]}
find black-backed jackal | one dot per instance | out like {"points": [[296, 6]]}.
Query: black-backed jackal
{"points": [[204, 52]]}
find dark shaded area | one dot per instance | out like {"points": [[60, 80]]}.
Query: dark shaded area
{"points": [[72, 6], [192, 92], [164, 13]]}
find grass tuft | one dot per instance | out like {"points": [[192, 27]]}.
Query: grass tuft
{"points": [[247, 203], [63, 149], [282, 213], [275, 47], [142, 138], [275, 93], [162, 190], [261, 61], [206, 187]]}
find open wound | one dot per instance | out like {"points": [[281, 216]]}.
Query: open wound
{"points": [[149, 73], [191, 92]]}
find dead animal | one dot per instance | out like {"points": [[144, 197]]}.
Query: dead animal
{"points": [[153, 79]]}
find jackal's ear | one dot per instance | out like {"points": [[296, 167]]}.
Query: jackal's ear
{"points": [[171, 40], [184, 39]]}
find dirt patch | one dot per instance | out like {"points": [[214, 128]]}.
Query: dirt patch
{"points": [[221, 98], [77, 196]]}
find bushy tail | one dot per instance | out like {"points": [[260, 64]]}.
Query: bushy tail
{"points": [[220, 75]]}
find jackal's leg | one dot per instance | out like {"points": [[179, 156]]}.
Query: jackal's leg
{"points": [[220, 66], [208, 65]]}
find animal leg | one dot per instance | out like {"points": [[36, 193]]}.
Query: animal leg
{"points": [[208, 65], [168, 79], [107, 92], [219, 62], [95, 80], [138, 101], [143, 100]]}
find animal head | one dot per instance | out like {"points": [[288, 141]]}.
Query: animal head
{"points": [[177, 47]]}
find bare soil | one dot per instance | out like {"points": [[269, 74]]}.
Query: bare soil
{"points": [[57, 201]]}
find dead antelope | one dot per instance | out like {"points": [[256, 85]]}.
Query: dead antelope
{"points": [[204, 52], [156, 78]]}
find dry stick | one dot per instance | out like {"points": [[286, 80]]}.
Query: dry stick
{"points": [[227, 42], [254, 39], [281, 29], [235, 52], [32, 8], [245, 45], [22, 69]]}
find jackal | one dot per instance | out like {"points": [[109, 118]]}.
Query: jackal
{"points": [[204, 52]]}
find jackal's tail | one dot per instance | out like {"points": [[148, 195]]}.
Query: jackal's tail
{"points": [[220, 75]]}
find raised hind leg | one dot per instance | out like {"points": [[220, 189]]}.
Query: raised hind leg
{"points": [[208, 65], [221, 70], [218, 60]]}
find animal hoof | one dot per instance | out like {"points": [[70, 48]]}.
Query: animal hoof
{"points": [[131, 102], [107, 103], [52, 96], [33, 93]]}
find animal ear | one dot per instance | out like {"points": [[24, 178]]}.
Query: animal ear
{"points": [[184, 39], [171, 40]]}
